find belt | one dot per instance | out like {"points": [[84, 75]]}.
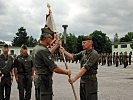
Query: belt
{"points": [[92, 76]]}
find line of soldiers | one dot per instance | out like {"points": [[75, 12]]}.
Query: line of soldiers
{"points": [[21, 67], [115, 59]]}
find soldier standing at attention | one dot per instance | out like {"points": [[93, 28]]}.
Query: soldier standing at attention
{"points": [[6, 73], [121, 58], [125, 59], [117, 59], [130, 58], [44, 66], [24, 73], [89, 65], [100, 58], [114, 58], [109, 59], [108, 62]]}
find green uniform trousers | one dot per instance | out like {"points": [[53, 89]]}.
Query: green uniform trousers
{"points": [[88, 90], [43, 88], [5, 88], [24, 87]]}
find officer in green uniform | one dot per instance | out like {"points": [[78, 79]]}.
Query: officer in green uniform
{"points": [[6, 75], [89, 65], [44, 66], [24, 73]]}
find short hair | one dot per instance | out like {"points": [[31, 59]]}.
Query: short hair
{"points": [[24, 46], [5, 46]]}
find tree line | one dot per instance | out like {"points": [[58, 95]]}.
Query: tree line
{"points": [[101, 42]]}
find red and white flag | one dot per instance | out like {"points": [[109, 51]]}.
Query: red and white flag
{"points": [[51, 25]]}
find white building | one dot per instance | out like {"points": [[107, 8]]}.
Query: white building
{"points": [[16, 50], [122, 47]]}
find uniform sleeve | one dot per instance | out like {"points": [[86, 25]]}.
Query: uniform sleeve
{"points": [[91, 61], [77, 56], [48, 60]]}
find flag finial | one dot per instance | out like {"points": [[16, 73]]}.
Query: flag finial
{"points": [[48, 5]]}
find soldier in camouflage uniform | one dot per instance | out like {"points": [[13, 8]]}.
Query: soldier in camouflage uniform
{"points": [[6, 75], [44, 66], [89, 65], [24, 73]]}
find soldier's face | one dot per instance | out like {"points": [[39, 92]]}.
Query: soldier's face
{"points": [[49, 39], [87, 44], [5, 50], [23, 51]]}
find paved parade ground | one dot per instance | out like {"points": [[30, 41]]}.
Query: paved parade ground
{"points": [[114, 83]]}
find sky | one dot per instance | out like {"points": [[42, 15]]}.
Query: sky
{"points": [[83, 17]]}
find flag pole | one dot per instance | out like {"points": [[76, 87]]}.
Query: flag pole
{"points": [[74, 92]]}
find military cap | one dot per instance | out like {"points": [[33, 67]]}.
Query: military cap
{"points": [[46, 31], [24, 46], [84, 38], [5, 46]]}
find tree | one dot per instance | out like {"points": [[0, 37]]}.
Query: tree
{"points": [[128, 37], [116, 38], [71, 42], [101, 42], [31, 42], [21, 37], [79, 43]]}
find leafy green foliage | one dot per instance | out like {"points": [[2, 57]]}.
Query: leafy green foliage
{"points": [[128, 37], [22, 38], [101, 42]]}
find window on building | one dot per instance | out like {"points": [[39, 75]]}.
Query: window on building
{"points": [[12, 52], [123, 46], [115, 46], [30, 52]]}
